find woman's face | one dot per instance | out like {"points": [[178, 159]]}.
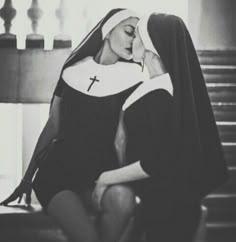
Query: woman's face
{"points": [[121, 38], [138, 48]]}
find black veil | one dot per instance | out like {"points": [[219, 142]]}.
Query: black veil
{"points": [[201, 160]]}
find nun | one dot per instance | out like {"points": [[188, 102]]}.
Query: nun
{"points": [[77, 143], [169, 143]]}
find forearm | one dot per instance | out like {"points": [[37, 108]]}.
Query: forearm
{"points": [[49, 132], [154, 64], [129, 173]]}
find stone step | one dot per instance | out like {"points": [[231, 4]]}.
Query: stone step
{"points": [[19, 223], [221, 232], [222, 92], [230, 186], [33, 235], [221, 208], [230, 153], [219, 73], [223, 215], [224, 111], [220, 200], [227, 131], [28, 224], [217, 57]]}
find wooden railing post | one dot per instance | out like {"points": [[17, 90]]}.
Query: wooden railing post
{"points": [[62, 40], [35, 13], [7, 13]]}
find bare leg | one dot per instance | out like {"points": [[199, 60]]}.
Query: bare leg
{"points": [[118, 206], [67, 208]]}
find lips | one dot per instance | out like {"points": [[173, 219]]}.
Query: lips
{"points": [[129, 49]]}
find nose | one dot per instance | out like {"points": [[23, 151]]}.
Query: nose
{"points": [[132, 40], [133, 36]]}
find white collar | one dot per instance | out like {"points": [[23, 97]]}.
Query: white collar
{"points": [[159, 82], [110, 79]]}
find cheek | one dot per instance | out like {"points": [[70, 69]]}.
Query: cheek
{"points": [[115, 44], [118, 39]]}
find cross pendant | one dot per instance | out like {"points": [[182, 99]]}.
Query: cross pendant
{"points": [[93, 81]]}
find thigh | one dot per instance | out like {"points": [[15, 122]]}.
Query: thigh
{"points": [[70, 212], [119, 198], [68, 205]]}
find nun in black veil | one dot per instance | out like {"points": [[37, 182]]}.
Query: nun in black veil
{"points": [[184, 158], [77, 143]]}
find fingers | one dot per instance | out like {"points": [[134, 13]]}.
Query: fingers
{"points": [[95, 201], [98, 195], [28, 198], [18, 193], [11, 198], [20, 198]]}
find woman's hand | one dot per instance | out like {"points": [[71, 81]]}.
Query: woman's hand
{"points": [[154, 64], [24, 187], [98, 192]]}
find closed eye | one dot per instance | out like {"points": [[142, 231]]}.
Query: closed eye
{"points": [[131, 34], [129, 30]]}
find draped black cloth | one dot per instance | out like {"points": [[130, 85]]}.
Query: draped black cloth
{"points": [[200, 160]]}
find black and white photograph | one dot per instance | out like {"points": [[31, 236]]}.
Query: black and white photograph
{"points": [[117, 121]]}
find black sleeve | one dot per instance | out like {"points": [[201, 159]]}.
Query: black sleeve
{"points": [[58, 91], [158, 155]]}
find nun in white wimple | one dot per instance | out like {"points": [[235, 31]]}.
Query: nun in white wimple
{"points": [[77, 143]]}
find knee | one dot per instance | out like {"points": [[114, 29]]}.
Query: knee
{"points": [[120, 199]]}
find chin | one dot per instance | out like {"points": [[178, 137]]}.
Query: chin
{"points": [[137, 59], [130, 57], [127, 57]]}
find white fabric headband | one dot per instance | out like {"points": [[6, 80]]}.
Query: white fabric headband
{"points": [[116, 19], [143, 32]]}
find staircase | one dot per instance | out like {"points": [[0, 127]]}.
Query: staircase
{"points": [[219, 69]]}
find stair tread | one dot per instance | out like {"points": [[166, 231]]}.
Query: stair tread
{"points": [[218, 67], [219, 57], [221, 225], [227, 132], [224, 112]]}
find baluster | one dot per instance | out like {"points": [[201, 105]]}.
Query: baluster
{"points": [[7, 13], [35, 13], [62, 40]]}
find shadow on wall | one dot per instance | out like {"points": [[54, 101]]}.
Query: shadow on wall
{"points": [[212, 24]]}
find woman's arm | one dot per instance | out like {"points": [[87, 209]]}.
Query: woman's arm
{"points": [[48, 134], [125, 174], [158, 143], [132, 172]]}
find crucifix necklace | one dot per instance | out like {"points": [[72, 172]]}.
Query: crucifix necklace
{"points": [[93, 81]]}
